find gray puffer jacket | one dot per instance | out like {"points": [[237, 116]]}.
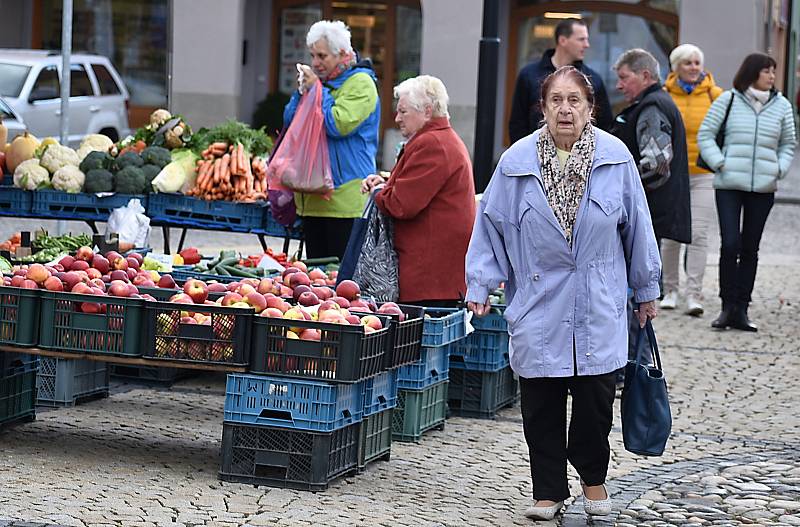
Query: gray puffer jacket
{"points": [[758, 147]]}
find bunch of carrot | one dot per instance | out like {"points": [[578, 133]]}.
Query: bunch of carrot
{"points": [[229, 172]]}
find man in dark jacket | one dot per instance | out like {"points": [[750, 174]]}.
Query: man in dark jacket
{"points": [[572, 41]]}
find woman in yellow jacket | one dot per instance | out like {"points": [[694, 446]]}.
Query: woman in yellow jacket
{"points": [[693, 90]]}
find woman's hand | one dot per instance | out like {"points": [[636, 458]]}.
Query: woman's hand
{"points": [[370, 182], [479, 309], [305, 78], [647, 310]]}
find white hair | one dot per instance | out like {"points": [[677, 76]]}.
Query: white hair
{"points": [[422, 91], [683, 53], [334, 32]]}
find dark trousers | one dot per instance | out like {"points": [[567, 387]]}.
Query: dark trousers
{"points": [[544, 419], [742, 216], [326, 236]]}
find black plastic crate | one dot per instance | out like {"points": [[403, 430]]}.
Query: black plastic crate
{"points": [[344, 352], [150, 374], [286, 458], [19, 316], [225, 340], [115, 330], [376, 438], [18, 397], [481, 394], [406, 337]]}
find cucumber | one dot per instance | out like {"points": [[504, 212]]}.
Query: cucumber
{"points": [[240, 271], [221, 270], [311, 262]]}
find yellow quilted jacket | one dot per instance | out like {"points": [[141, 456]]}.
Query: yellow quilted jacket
{"points": [[693, 107]]}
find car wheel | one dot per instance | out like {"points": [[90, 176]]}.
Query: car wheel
{"points": [[110, 133]]}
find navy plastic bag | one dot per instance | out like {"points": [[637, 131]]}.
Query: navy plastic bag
{"points": [[646, 417]]}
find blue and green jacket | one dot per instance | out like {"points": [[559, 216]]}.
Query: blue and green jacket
{"points": [[351, 107]]}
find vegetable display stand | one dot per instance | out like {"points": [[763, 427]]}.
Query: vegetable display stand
{"points": [[16, 202], [18, 397], [343, 353], [63, 382], [480, 351], [480, 393], [104, 325], [218, 335], [149, 374], [290, 403], [443, 326], [406, 337], [80, 206], [431, 368], [180, 210], [380, 392], [19, 316], [418, 411], [376, 438], [285, 458]]}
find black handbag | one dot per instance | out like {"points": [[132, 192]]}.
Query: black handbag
{"points": [[646, 417], [720, 139]]}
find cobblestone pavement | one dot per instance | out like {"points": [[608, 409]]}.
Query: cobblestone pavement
{"points": [[147, 456]]}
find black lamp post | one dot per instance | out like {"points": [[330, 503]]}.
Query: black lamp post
{"points": [[487, 96]]}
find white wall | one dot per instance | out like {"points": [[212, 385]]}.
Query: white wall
{"points": [[725, 44], [207, 60]]}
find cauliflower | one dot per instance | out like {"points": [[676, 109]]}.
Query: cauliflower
{"points": [[57, 156], [68, 178], [94, 143], [30, 175], [159, 117]]}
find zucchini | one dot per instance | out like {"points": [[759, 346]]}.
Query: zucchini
{"points": [[221, 270], [312, 262], [240, 271]]}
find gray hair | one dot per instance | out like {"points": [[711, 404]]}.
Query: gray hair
{"points": [[683, 53], [334, 32], [424, 91], [639, 60]]}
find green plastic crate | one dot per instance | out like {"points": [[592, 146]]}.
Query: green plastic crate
{"points": [[118, 331], [376, 438], [18, 397], [19, 316], [418, 411], [481, 393]]}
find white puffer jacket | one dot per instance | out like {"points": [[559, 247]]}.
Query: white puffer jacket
{"points": [[758, 147]]}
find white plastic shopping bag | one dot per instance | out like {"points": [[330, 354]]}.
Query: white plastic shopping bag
{"points": [[130, 223]]}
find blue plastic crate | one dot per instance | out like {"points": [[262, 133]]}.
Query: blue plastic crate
{"points": [[443, 326], [480, 351], [303, 405], [15, 201], [177, 209], [380, 392], [80, 206], [273, 228], [494, 321], [431, 368], [181, 274]]}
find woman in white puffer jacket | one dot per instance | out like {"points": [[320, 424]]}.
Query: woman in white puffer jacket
{"points": [[757, 151]]}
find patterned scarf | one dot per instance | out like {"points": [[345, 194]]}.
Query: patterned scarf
{"points": [[346, 61], [564, 188]]}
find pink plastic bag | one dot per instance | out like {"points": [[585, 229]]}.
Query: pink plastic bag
{"points": [[301, 162]]}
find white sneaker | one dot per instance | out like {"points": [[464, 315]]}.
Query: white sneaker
{"points": [[693, 306], [597, 507], [670, 300], [544, 513]]}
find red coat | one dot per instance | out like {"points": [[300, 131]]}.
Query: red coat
{"points": [[431, 197]]}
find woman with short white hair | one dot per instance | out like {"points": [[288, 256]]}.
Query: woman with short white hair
{"points": [[430, 195], [351, 108], [693, 89]]}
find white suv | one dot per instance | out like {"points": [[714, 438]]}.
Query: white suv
{"points": [[98, 103]]}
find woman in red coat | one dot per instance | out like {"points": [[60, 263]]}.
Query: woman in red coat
{"points": [[430, 195]]}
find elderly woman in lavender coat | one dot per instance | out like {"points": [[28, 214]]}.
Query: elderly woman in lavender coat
{"points": [[564, 223]]}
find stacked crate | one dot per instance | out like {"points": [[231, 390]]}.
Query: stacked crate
{"points": [[481, 380], [422, 385], [295, 420], [17, 387], [65, 382]]}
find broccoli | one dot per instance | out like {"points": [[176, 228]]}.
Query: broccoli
{"points": [[128, 159], [96, 160], [129, 180], [98, 180], [150, 173], [155, 155]]}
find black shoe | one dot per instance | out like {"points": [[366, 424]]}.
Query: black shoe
{"points": [[739, 320], [724, 319]]}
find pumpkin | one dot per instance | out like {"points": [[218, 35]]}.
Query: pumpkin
{"points": [[22, 148]]}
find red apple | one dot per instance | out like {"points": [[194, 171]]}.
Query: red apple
{"points": [[317, 274], [308, 299], [353, 320], [53, 284], [310, 334], [299, 278], [390, 308], [253, 282], [360, 304], [372, 321], [245, 289], [119, 263], [300, 265], [97, 283], [256, 300], [79, 265], [16, 280], [58, 267], [231, 298], [90, 307], [181, 298], [119, 288], [196, 289], [66, 261], [188, 320], [343, 302], [84, 253], [71, 278], [132, 290], [289, 270], [272, 312], [265, 286], [29, 284], [38, 273], [81, 289], [131, 273], [348, 289], [324, 293], [138, 257], [133, 263], [120, 275], [93, 273], [167, 282], [101, 263], [299, 290], [216, 287]]}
